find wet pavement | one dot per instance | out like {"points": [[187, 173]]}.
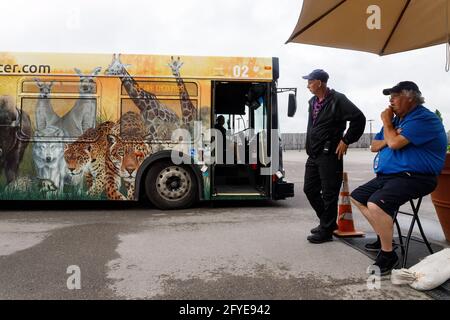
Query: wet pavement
{"points": [[239, 250]]}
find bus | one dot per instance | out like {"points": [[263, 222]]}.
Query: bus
{"points": [[128, 127]]}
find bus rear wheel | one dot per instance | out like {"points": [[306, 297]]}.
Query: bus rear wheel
{"points": [[170, 186]]}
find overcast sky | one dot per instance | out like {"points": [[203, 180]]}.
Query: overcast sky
{"points": [[223, 27]]}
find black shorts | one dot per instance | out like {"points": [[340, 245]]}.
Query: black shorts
{"points": [[391, 191]]}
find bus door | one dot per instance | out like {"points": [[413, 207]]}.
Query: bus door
{"points": [[244, 109]]}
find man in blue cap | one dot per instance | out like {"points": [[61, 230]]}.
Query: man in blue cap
{"points": [[411, 150], [326, 145]]}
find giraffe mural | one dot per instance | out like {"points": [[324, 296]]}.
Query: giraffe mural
{"points": [[158, 119], [188, 110]]}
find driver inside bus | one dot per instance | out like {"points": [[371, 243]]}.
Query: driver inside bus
{"points": [[220, 121]]}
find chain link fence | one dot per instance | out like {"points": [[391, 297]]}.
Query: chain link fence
{"points": [[296, 141]]}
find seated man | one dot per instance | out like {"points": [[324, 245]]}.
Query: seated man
{"points": [[411, 150]]}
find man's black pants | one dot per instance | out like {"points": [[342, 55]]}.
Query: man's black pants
{"points": [[323, 179]]}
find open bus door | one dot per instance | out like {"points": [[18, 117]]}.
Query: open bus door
{"points": [[246, 109]]}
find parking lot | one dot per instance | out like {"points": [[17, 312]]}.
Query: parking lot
{"points": [[238, 250]]}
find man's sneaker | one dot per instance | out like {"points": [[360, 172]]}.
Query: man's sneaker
{"points": [[386, 261], [320, 237], [373, 246], [376, 246], [316, 229]]}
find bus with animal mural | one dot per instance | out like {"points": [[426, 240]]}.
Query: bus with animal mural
{"points": [[127, 127]]}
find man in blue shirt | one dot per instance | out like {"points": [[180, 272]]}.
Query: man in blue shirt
{"points": [[411, 150]]}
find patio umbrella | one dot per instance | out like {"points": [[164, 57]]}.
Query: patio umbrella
{"points": [[378, 26]]}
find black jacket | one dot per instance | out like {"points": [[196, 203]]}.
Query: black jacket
{"points": [[331, 123]]}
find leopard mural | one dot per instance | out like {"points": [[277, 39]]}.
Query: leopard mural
{"points": [[86, 158], [127, 149], [109, 156]]}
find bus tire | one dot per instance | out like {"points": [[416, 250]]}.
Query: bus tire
{"points": [[170, 186]]}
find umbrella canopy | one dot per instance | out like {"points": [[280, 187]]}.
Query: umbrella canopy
{"points": [[377, 26]]}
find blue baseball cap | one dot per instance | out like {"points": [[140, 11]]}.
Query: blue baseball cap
{"points": [[317, 74]]}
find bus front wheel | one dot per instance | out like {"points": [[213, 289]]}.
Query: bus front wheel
{"points": [[170, 186]]}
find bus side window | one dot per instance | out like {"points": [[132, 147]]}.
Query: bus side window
{"points": [[164, 107], [59, 108]]}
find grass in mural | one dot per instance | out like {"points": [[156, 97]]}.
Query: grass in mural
{"points": [[28, 187], [37, 195], [33, 192]]}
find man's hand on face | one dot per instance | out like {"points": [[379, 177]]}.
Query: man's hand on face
{"points": [[387, 115], [341, 149]]}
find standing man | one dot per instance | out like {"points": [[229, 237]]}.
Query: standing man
{"points": [[411, 150], [326, 145]]}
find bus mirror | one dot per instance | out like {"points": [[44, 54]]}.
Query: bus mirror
{"points": [[292, 105]]}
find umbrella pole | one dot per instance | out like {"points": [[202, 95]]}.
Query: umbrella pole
{"points": [[447, 60]]}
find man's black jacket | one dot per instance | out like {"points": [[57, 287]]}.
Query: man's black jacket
{"points": [[331, 123]]}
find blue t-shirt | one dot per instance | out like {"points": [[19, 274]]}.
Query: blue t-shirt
{"points": [[425, 152]]}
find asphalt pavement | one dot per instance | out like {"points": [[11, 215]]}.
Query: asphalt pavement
{"points": [[227, 250]]}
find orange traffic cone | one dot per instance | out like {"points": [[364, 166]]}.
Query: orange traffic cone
{"points": [[345, 217]]}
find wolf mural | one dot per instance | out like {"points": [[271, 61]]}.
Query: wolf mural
{"points": [[48, 156]]}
